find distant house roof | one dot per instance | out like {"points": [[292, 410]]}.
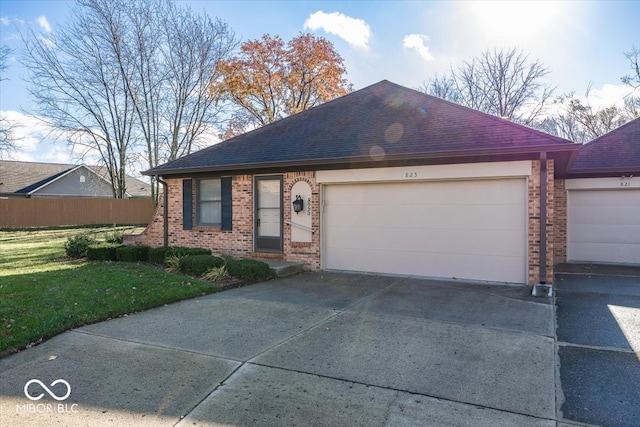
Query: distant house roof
{"points": [[383, 124], [26, 177], [612, 154]]}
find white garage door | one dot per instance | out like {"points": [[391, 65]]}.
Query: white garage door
{"points": [[463, 229], [604, 226]]}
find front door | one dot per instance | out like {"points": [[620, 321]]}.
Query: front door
{"points": [[268, 213]]}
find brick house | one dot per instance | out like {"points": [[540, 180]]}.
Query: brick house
{"points": [[384, 180], [598, 200]]}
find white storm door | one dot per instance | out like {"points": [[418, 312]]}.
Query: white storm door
{"points": [[268, 214]]}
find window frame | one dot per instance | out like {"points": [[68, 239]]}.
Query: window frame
{"points": [[199, 204]]}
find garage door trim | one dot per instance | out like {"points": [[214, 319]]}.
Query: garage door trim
{"points": [[523, 236]]}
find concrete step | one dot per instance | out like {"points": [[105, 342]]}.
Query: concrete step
{"points": [[284, 268]]}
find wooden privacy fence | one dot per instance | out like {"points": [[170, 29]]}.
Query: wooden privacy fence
{"points": [[50, 212]]}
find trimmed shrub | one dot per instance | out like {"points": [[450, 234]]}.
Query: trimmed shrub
{"points": [[103, 252], [197, 265], [250, 270], [76, 246], [160, 255], [180, 251], [132, 253]]}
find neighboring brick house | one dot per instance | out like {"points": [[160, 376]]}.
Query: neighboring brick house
{"points": [[36, 179], [385, 180], [598, 201]]}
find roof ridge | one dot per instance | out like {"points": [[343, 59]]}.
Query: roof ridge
{"points": [[611, 131], [490, 116], [266, 126]]}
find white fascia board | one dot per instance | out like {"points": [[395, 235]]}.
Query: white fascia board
{"points": [[521, 168], [602, 183]]}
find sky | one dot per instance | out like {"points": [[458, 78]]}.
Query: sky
{"points": [[407, 42]]}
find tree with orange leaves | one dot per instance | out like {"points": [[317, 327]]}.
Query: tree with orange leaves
{"points": [[269, 80]]}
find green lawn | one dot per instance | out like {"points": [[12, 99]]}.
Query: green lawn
{"points": [[42, 293]]}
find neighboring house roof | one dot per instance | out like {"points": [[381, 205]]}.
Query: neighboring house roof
{"points": [[612, 154], [27, 177], [383, 124]]}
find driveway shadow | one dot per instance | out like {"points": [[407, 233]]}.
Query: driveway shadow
{"points": [[598, 331]]}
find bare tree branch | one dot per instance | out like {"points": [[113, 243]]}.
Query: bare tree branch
{"points": [[7, 127], [503, 83], [129, 78], [633, 79]]}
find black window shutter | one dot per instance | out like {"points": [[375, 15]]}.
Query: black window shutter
{"points": [[187, 204], [226, 185]]}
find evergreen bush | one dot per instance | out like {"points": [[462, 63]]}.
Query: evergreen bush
{"points": [[133, 253], [159, 255], [197, 265], [76, 246], [249, 270], [103, 251]]}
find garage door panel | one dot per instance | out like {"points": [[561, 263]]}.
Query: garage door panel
{"points": [[592, 214], [604, 226], [445, 240], [613, 234], [417, 217], [615, 253], [617, 197], [472, 267], [466, 229]]}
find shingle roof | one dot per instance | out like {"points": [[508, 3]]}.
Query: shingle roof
{"points": [[615, 152], [16, 176], [382, 121], [24, 177]]}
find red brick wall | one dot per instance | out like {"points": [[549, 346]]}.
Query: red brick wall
{"points": [[534, 223], [560, 230], [308, 253], [239, 241]]}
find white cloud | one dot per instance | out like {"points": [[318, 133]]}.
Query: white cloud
{"points": [[608, 95], [5, 21], [354, 31], [46, 41], [35, 140], [598, 99], [44, 24], [418, 42], [27, 131]]}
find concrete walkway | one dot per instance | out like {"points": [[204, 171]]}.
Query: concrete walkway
{"points": [[321, 349]]}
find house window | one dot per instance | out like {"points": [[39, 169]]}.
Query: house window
{"points": [[209, 203]]}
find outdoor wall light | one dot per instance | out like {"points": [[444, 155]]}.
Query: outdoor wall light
{"points": [[298, 204]]}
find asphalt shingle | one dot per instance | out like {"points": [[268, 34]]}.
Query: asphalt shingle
{"points": [[618, 150], [382, 121]]}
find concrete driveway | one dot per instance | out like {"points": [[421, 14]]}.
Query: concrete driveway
{"points": [[314, 349], [598, 330]]}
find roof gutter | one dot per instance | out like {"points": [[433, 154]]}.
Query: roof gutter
{"points": [[555, 148], [165, 211], [542, 288]]}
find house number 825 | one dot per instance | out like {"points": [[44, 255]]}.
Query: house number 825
{"points": [[411, 174]]}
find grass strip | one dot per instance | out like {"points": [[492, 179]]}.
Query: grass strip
{"points": [[43, 294]]}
